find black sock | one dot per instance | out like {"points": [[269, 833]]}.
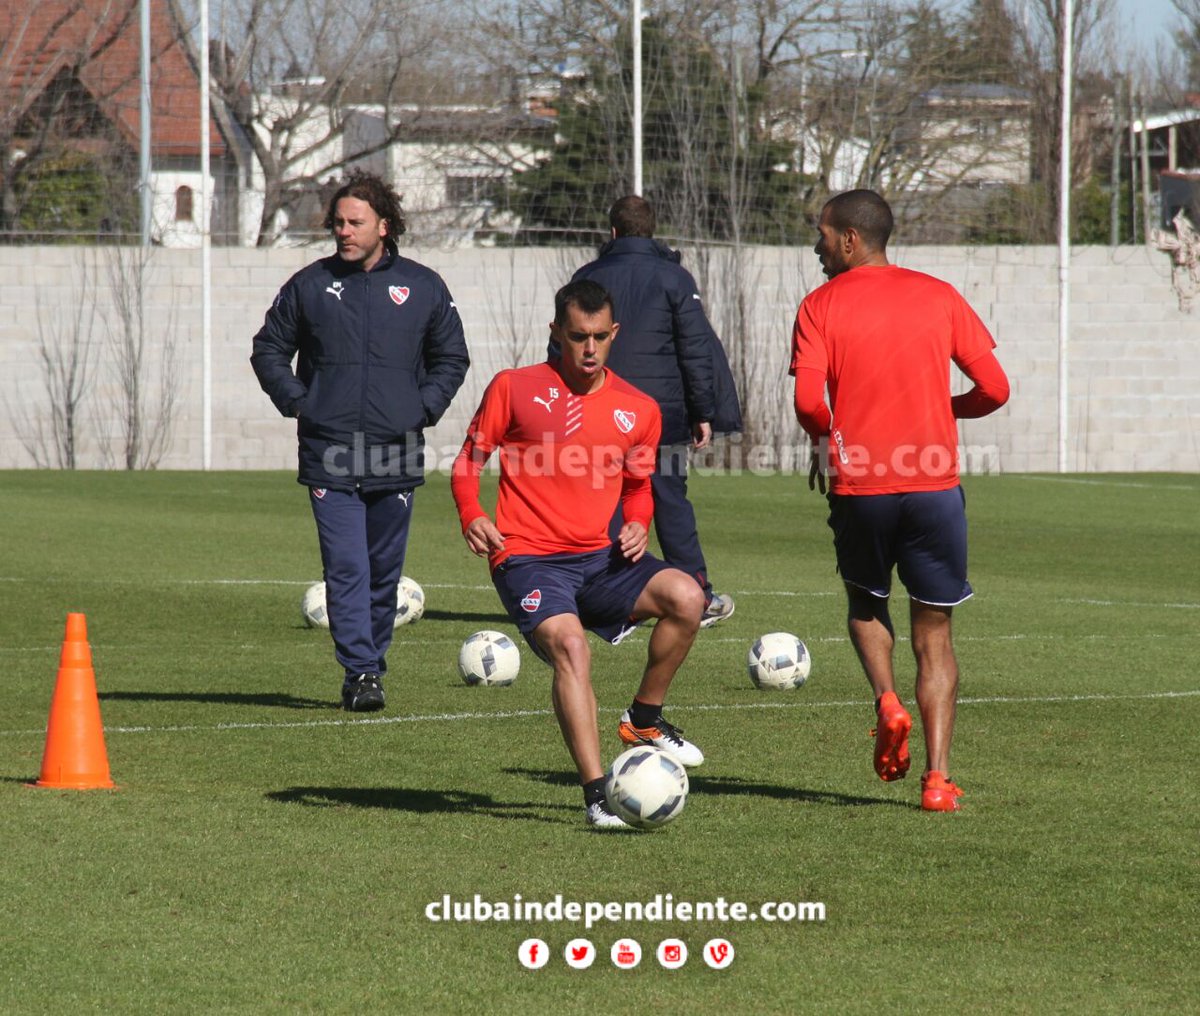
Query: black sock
{"points": [[593, 791], [642, 715]]}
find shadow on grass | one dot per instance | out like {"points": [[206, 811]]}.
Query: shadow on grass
{"points": [[731, 786], [274, 699], [420, 802]]}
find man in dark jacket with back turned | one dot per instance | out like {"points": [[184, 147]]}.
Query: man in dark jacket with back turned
{"points": [[380, 355], [668, 349]]}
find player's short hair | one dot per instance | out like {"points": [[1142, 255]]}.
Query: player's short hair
{"points": [[866, 211], [382, 198], [632, 216], [590, 297]]}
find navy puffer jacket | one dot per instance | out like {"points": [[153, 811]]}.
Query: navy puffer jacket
{"points": [[666, 346], [379, 355]]}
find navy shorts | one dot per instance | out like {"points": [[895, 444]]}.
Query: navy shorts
{"points": [[923, 535], [600, 587]]}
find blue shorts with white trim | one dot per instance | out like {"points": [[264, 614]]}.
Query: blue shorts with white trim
{"points": [[600, 587], [922, 534]]}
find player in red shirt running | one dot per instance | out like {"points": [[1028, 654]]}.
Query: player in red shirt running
{"points": [[883, 338], [575, 440]]}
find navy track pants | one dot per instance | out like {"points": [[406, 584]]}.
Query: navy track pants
{"points": [[363, 538], [674, 516]]}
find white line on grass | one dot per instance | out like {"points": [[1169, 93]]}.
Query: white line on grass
{"points": [[450, 585], [1111, 483], [637, 637], [516, 714], [1132, 603], [301, 582], [1107, 636], [784, 593]]}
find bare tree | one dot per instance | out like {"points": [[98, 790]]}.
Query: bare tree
{"points": [[1187, 41], [144, 358], [1041, 33], [66, 358], [316, 87]]}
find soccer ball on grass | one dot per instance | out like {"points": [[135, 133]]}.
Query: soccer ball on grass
{"points": [[410, 601], [410, 604], [646, 787], [312, 606], [778, 661], [489, 658]]}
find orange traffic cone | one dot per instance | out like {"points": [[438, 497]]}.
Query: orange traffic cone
{"points": [[75, 757]]}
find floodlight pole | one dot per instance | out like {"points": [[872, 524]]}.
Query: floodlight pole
{"points": [[144, 190], [636, 32], [1064, 233], [205, 237]]}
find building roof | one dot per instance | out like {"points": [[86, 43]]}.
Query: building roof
{"points": [[1172, 118], [976, 91], [98, 42]]}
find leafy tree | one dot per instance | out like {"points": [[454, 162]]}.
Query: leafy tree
{"points": [[73, 197], [54, 142], [565, 199], [988, 52], [1014, 213], [708, 165]]}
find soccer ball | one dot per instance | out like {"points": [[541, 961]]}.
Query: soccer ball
{"points": [[646, 787], [410, 601], [490, 658], [410, 604], [312, 606], [778, 661]]}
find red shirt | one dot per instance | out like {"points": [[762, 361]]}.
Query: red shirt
{"points": [[565, 460], [883, 338]]}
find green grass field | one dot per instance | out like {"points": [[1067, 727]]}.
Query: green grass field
{"points": [[267, 853]]}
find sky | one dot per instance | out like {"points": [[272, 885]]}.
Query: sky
{"points": [[1150, 18]]}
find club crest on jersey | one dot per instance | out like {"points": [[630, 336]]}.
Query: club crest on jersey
{"points": [[398, 294], [624, 420], [531, 601], [318, 493]]}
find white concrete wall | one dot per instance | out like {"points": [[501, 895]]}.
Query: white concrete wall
{"points": [[1134, 355]]}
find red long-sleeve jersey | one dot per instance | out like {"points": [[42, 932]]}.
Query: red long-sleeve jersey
{"points": [[566, 460], [883, 339]]}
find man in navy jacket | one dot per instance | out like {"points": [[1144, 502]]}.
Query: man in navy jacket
{"points": [[380, 353], [668, 349]]}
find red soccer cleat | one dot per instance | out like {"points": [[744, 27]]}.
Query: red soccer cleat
{"points": [[891, 739], [938, 793]]}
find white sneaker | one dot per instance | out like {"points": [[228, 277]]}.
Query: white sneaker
{"points": [[719, 608], [662, 735], [600, 816]]}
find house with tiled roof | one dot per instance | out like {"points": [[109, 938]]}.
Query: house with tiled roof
{"points": [[70, 87]]}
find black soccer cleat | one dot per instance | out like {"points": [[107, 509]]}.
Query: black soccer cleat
{"points": [[362, 694]]}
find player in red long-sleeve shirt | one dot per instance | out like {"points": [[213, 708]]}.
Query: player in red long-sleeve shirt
{"points": [[574, 440], [882, 339]]}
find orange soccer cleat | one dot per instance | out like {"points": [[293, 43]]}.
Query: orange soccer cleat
{"points": [[891, 739], [938, 793], [662, 735]]}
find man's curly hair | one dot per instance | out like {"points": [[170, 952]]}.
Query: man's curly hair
{"points": [[382, 198]]}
